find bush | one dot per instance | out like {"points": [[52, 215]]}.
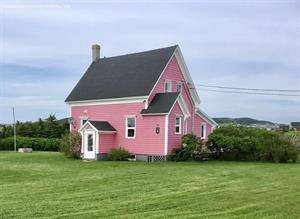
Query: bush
{"points": [[241, 143], [288, 149], [119, 154], [37, 144], [71, 145], [190, 149]]}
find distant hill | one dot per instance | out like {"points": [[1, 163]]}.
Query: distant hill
{"points": [[242, 121]]}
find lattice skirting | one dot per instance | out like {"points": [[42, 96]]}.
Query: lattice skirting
{"points": [[156, 158], [140, 157]]}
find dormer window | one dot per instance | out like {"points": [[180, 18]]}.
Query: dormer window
{"points": [[168, 86], [179, 87]]}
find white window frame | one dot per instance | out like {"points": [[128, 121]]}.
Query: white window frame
{"points": [[203, 128], [83, 118], [178, 133], [167, 81], [179, 83], [131, 128]]}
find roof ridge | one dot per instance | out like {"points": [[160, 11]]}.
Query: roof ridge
{"points": [[136, 53]]}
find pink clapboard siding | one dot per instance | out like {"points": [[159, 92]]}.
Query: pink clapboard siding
{"points": [[174, 139], [173, 72], [146, 141], [106, 143], [198, 121]]}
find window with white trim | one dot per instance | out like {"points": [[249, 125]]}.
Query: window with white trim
{"points": [[83, 119], [178, 125], [130, 127], [179, 87], [168, 86], [203, 130]]}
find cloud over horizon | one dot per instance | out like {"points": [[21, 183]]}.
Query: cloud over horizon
{"points": [[45, 50]]}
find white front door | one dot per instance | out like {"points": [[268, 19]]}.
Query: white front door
{"points": [[89, 145]]}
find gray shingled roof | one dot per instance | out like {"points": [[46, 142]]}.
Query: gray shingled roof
{"points": [[295, 124], [122, 76], [102, 125], [161, 103]]}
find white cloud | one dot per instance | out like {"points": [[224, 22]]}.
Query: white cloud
{"points": [[240, 34]]}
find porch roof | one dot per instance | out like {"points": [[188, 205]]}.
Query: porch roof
{"points": [[102, 126], [161, 104]]}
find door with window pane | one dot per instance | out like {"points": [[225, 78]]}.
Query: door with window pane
{"points": [[89, 145]]}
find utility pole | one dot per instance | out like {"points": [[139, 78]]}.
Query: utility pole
{"points": [[15, 130]]}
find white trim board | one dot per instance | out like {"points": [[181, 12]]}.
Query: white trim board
{"points": [[186, 75], [166, 134], [206, 117], [139, 99]]}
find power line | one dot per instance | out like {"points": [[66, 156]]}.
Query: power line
{"points": [[244, 92], [243, 88]]}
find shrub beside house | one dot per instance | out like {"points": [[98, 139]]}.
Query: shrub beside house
{"points": [[241, 143]]}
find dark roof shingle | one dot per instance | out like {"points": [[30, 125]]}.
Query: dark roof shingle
{"points": [[102, 126], [161, 103], [122, 76], [295, 124]]}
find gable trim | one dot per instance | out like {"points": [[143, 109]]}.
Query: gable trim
{"points": [[138, 99], [206, 118], [85, 124], [94, 128], [161, 74], [182, 105], [186, 75]]}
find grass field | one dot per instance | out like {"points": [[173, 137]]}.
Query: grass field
{"points": [[48, 185]]}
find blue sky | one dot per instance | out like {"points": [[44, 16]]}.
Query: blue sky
{"points": [[45, 48]]}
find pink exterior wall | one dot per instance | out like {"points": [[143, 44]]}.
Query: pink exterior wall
{"points": [[173, 73], [106, 143], [174, 139], [198, 121], [146, 141]]}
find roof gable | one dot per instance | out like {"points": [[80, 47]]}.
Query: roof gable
{"points": [[122, 76], [187, 76]]}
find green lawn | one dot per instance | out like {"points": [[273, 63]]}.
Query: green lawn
{"points": [[48, 185]]}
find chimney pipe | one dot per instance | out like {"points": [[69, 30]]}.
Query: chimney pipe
{"points": [[95, 52]]}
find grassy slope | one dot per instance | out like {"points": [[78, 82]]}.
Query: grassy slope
{"points": [[50, 185]]}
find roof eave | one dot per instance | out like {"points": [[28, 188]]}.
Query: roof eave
{"points": [[206, 117], [187, 75]]}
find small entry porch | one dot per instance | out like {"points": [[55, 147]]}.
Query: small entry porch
{"points": [[96, 136]]}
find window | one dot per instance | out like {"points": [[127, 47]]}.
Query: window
{"points": [[168, 86], [178, 125], [83, 120], [130, 127], [203, 131], [185, 131], [178, 87], [90, 142]]}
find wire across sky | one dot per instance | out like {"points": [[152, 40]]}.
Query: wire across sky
{"points": [[253, 91]]}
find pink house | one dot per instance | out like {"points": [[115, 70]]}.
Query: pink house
{"points": [[143, 102]]}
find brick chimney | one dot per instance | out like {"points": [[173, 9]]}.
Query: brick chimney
{"points": [[95, 52]]}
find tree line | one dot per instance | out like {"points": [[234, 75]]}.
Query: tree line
{"points": [[43, 128]]}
